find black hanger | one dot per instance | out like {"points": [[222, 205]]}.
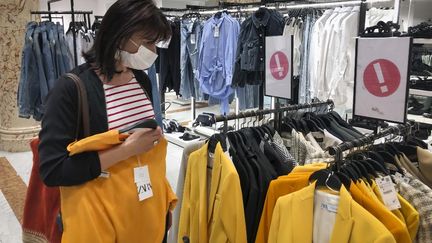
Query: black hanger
{"points": [[360, 158], [312, 125], [214, 140], [389, 158], [346, 181], [326, 178], [364, 172], [350, 171], [408, 150]]}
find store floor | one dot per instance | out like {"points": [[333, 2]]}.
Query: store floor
{"points": [[15, 171]]}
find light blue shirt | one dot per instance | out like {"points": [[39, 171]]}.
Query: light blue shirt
{"points": [[217, 54]]}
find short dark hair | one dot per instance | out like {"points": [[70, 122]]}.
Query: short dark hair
{"points": [[123, 19]]}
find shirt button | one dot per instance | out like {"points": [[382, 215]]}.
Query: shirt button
{"points": [[260, 35], [260, 47], [261, 59]]}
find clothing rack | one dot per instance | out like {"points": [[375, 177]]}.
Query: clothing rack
{"points": [[401, 129], [72, 12], [276, 112], [54, 17], [252, 7]]}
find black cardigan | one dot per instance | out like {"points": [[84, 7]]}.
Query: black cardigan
{"points": [[59, 128]]}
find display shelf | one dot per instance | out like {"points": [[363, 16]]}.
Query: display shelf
{"points": [[419, 118], [175, 139], [421, 92], [422, 41]]}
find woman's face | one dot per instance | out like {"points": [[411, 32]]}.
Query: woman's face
{"points": [[132, 45]]}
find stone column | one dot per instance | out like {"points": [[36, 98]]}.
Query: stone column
{"points": [[15, 133]]}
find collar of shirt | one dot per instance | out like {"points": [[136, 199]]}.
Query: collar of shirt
{"points": [[259, 22], [218, 21]]}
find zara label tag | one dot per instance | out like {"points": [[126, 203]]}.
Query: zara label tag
{"points": [[143, 183]]}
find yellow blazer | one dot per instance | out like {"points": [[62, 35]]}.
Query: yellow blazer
{"points": [[381, 212], [107, 209], [292, 220], [282, 186], [217, 216], [407, 213]]}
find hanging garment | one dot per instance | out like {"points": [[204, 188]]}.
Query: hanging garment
{"points": [[293, 220], [212, 208], [45, 58], [191, 33], [284, 185], [316, 46], [374, 207], [420, 196], [108, 209], [151, 72], [169, 62], [216, 58], [189, 149], [249, 61], [342, 75], [294, 27]]}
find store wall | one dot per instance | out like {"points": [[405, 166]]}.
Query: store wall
{"points": [[413, 12], [15, 133]]}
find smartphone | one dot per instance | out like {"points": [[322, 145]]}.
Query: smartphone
{"points": [[148, 123]]}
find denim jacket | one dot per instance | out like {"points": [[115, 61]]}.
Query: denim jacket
{"points": [[250, 58]]}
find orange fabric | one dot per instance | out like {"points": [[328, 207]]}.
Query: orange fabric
{"points": [[282, 186], [108, 209], [376, 208]]}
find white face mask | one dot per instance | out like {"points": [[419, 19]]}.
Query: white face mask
{"points": [[143, 59]]}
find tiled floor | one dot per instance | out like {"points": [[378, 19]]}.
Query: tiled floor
{"points": [[10, 229]]}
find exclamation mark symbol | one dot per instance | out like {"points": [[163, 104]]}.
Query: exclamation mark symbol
{"points": [[380, 76], [279, 68]]}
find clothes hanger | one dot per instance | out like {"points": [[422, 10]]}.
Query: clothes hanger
{"points": [[326, 178], [364, 171], [214, 140]]}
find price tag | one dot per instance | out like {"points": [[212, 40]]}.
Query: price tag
{"points": [[216, 31], [388, 192], [143, 183], [193, 39], [141, 174]]}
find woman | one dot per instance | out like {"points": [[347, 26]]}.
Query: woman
{"points": [[97, 208]]}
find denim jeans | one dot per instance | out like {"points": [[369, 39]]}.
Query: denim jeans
{"points": [[41, 79], [29, 71], [47, 61], [156, 95], [248, 96], [189, 50], [52, 42], [65, 51]]}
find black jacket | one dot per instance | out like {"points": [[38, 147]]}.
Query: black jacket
{"points": [[59, 126]]}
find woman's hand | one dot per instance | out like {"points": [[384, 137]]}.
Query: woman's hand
{"points": [[141, 141]]}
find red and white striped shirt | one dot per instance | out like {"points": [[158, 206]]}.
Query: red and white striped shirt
{"points": [[126, 104]]}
